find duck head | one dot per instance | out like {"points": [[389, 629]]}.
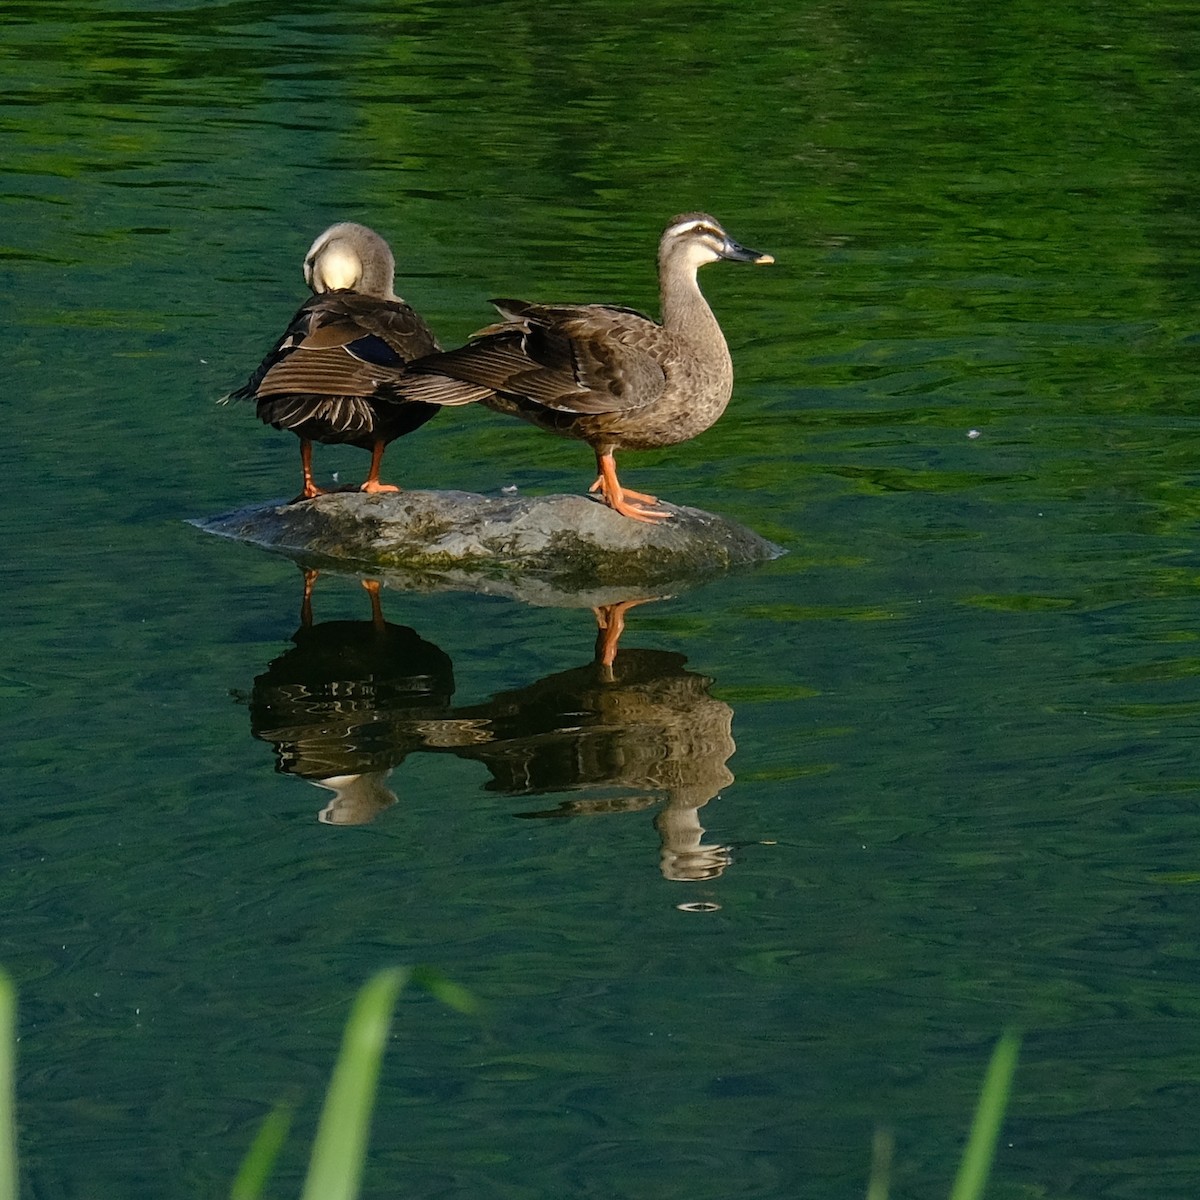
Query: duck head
{"points": [[350, 257], [698, 238]]}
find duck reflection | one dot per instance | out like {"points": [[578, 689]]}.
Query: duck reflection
{"points": [[625, 732], [636, 731], [347, 703]]}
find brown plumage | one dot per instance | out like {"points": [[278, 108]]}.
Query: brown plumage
{"points": [[606, 375], [332, 376]]}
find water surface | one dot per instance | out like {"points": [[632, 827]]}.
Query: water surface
{"points": [[830, 825]]}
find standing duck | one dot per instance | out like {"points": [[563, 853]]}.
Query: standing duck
{"points": [[331, 377], [606, 375]]}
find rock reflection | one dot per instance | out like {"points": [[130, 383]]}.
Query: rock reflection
{"points": [[628, 731]]}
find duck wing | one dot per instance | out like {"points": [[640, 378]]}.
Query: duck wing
{"points": [[577, 359], [340, 355], [392, 321]]}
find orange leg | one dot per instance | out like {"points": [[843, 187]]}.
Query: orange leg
{"points": [[371, 483], [306, 609], [614, 495], [610, 623], [372, 589], [310, 488]]}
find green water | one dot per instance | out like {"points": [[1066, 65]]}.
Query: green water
{"points": [[965, 706]]}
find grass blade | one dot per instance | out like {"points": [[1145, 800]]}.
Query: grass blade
{"points": [[883, 1146], [340, 1147], [976, 1162], [256, 1167], [8, 1116], [451, 994]]}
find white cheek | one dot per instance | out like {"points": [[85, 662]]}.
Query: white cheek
{"points": [[699, 254]]}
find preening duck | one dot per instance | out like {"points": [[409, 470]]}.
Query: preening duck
{"points": [[332, 376]]}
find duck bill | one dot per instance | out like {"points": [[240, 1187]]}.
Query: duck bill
{"points": [[735, 253]]}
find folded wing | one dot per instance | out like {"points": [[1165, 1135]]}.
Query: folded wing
{"points": [[575, 359]]}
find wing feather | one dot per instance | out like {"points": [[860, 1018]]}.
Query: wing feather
{"points": [[573, 359], [338, 363]]}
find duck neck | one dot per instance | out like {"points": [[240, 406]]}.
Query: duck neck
{"points": [[378, 279], [684, 309]]}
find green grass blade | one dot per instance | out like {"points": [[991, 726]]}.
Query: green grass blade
{"points": [[976, 1162], [340, 1148], [451, 994], [883, 1146], [260, 1159], [8, 1116]]}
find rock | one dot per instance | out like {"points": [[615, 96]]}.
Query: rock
{"points": [[546, 550]]}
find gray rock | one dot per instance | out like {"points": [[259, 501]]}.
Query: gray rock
{"points": [[550, 550]]}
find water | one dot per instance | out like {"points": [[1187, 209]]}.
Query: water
{"points": [[962, 711]]}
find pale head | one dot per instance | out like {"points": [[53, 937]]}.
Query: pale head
{"points": [[696, 238], [350, 257]]}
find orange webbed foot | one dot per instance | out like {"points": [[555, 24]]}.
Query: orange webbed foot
{"points": [[618, 499], [634, 511], [375, 488], [310, 492], [628, 493]]}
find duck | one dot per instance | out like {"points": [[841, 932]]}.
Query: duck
{"points": [[332, 376], [604, 374]]}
